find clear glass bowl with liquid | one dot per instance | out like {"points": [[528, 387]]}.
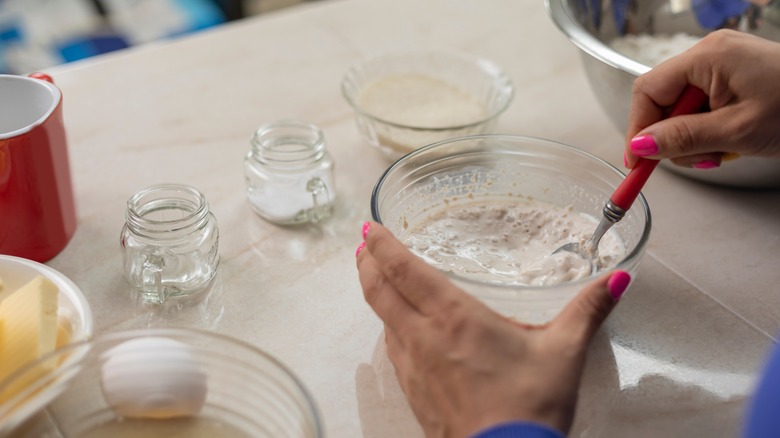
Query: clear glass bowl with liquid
{"points": [[505, 167], [405, 100]]}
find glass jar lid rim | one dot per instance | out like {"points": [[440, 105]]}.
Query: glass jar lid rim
{"points": [[288, 143], [200, 204]]}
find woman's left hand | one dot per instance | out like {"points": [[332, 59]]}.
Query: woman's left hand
{"points": [[464, 367]]}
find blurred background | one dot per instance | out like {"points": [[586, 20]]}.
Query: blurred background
{"points": [[36, 34]]}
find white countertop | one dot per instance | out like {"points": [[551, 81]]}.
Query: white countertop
{"points": [[678, 357]]}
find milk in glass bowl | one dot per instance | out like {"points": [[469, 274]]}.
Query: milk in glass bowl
{"points": [[406, 100], [489, 210]]}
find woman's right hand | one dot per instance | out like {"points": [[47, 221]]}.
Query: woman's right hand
{"points": [[739, 72]]}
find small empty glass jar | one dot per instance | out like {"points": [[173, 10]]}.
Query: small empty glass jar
{"points": [[169, 242], [289, 173]]}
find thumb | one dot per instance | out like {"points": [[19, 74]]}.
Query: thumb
{"points": [[686, 135], [585, 313]]}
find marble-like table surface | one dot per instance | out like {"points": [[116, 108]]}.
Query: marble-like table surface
{"points": [[677, 358]]}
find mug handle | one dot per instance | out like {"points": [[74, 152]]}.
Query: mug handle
{"points": [[151, 277], [320, 198], [42, 77]]}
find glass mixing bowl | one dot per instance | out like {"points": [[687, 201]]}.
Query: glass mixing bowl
{"points": [[505, 167], [406, 100], [218, 386]]}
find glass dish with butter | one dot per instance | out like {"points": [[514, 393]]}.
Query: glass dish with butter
{"points": [[40, 310]]}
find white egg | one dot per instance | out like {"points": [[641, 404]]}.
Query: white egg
{"points": [[153, 377]]}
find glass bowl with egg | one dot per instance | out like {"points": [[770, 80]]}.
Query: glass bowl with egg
{"points": [[162, 383], [490, 210], [405, 100]]}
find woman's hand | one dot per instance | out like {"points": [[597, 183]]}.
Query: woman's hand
{"points": [[464, 367], [739, 73]]}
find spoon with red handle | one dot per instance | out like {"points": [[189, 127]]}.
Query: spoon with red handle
{"points": [[691, 101]]}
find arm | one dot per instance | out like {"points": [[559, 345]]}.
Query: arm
{"points": [[762, 418]]}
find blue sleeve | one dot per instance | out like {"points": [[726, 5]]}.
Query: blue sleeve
{"points": [[620, 12], [518, 429], [763, 417], [712, 14]]}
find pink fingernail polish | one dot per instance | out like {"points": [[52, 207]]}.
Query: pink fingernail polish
{"points": [[360, 248], [617, 284], [643, 146], [366, 229], [707, 164]]}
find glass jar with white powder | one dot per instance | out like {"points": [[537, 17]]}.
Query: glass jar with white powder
{"points": [[289, 173]]}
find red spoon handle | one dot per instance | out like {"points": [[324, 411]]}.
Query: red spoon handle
{"points": [[691, 100]]}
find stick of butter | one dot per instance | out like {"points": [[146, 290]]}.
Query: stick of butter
{"points": [[28, 330]]}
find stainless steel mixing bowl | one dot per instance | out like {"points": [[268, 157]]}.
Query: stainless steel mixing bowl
{"points": [[592, 24]]}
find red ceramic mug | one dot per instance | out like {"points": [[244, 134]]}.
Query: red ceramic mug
{"points": [[37, 211]]}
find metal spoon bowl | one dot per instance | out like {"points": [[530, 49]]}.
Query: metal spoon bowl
{"points": [[589, 249]]}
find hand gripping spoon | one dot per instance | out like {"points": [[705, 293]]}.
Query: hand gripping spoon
{"points": [[690, 102]]}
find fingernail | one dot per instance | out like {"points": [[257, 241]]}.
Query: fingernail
{"points": [[643, 146], [366, 229], [625, 160], [728, 156], [360, 248], [617, 284], [707, 164]]}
